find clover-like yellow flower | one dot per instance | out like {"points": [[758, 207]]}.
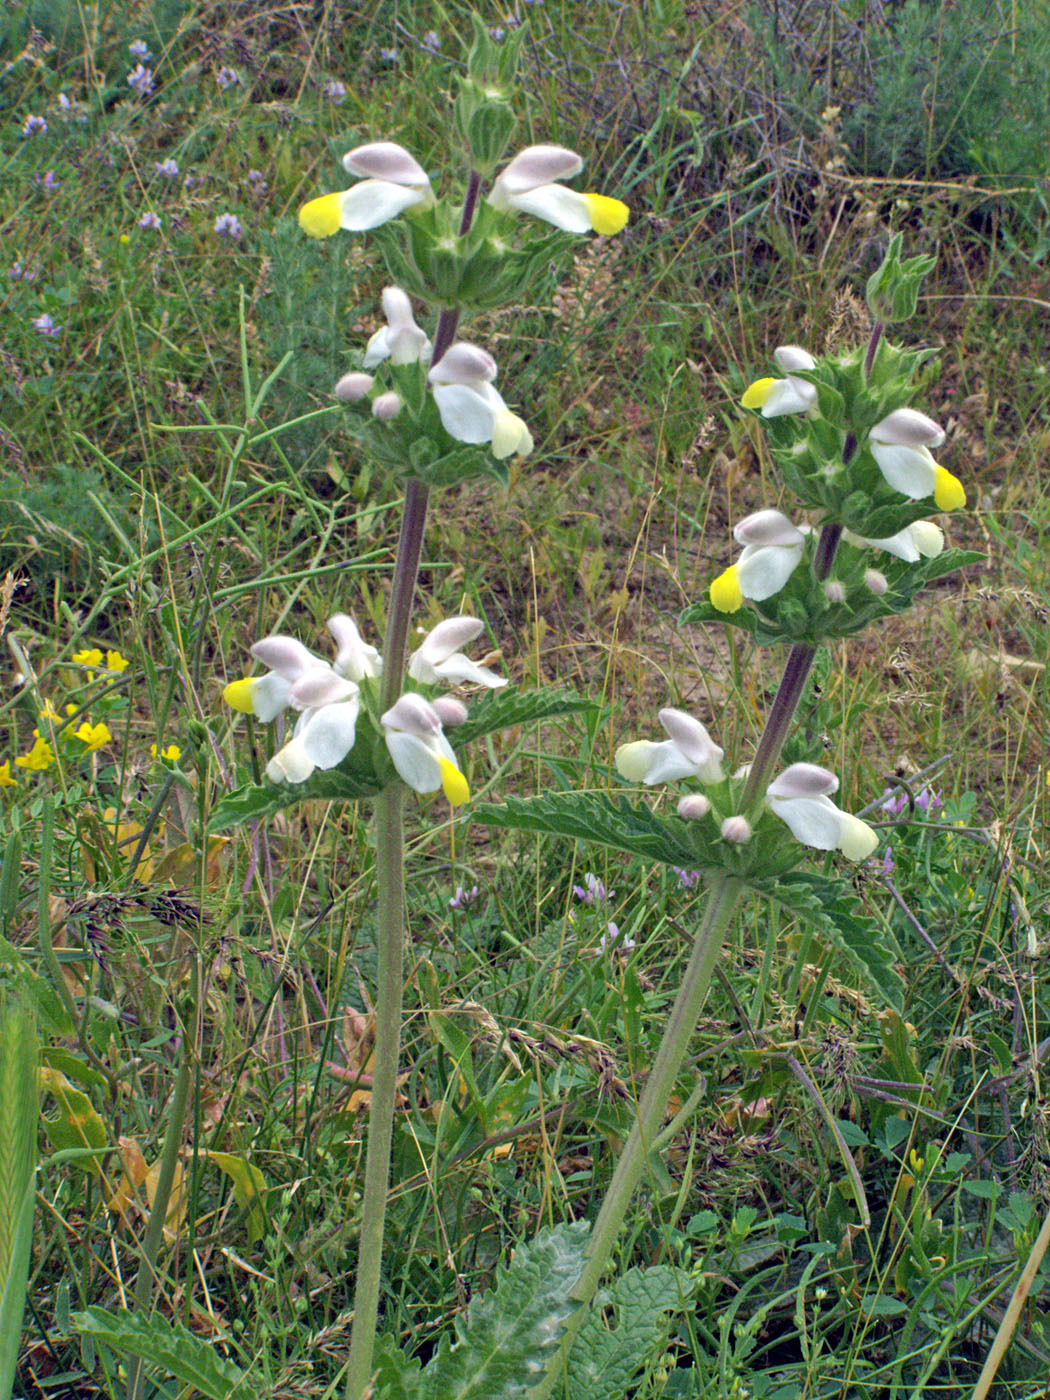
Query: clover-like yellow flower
{"points": [[116, 662], [93, 735], [6, 780], [172, 753], [91, 656], [40, 756]]}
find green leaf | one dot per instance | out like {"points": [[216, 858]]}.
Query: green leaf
{"points": [[593, 816], [19, 1110], [254, 802], [608, 1355], [499, 709], [830, 907], [171, 1347], [509, 1333]]}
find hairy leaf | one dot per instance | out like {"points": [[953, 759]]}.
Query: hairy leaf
{"points": [[509, 1333], [830, 907], [609, 1353], [593, 816], [171, 1347], [499, 709]]}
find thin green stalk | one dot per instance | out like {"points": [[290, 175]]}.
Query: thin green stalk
{"points": [[723, 896], [147, 1275]]}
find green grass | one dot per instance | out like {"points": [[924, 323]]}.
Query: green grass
{"points": [[151, 502]]}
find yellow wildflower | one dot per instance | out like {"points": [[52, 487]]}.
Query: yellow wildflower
{"points": [[6, 779], [172, 753], [116, 662], [90, 657], [39, 757], [93, 735]]}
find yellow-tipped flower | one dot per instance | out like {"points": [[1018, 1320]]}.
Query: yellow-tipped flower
{"points": [[528, 186], [394, 182], [420, 752], [775, 397], [900, 444], [688, 752], [772, 550], [800, 796], [471, 407]]}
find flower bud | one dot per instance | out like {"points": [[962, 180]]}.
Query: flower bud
{"points": [[877, 582], [693, 806], [737, 830], [450, 710], [834, 591], [353, 386], [386, 406]]}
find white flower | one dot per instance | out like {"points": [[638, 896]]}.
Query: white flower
{"points": [[354, 658], [394, 181], [800, 796], [900, 444], [528, 186], [324, 733], [920, 540], [400, 340], [471, 409], [439, 657], [690, 752], [772, 550], [419, 750], [775, 397]]}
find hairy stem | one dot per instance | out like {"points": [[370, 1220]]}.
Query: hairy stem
{"points": [[723, 895], [390, 934]]}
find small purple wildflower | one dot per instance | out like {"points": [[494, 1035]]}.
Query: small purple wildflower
{"points": [[334, 91], [141, 79], [463, 899], [928, 801], [168, 167], [45, 325], [228, 226], [34, 126], [612, 942], [140, 50], [894, 802], [687, 879], [149, 220], [887, 861], [257, 182], [388, 55], [65, 104], [227, 77], [593, 890], [497, 32], [47, 181], [431, 40]]}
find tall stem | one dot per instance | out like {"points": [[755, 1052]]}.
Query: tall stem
{"points": [[390, 937], [723, 895]]}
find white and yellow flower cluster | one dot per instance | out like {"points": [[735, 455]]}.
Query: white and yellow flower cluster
{"points": [[393, 183], [327, 698], [800, 796]]}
